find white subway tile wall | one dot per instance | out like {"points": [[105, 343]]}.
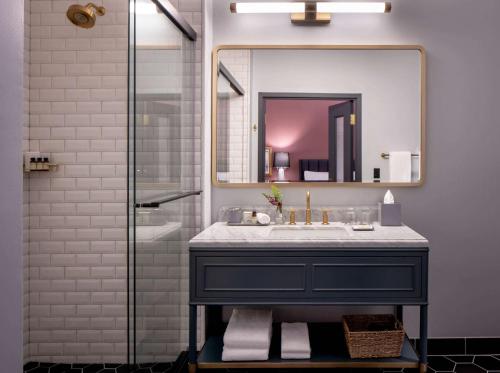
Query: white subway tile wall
{"points": [[75, 303]]}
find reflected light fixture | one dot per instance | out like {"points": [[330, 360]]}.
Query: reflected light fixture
{"points": [[281, 161], [311, 12]]}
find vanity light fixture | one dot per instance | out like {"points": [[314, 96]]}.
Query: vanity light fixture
{"points": [[311, 12]]}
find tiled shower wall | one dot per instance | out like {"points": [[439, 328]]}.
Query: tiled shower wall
{"points": [[77, 214]]}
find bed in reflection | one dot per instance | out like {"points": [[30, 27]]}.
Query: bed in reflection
{"points": [[313, 170]]}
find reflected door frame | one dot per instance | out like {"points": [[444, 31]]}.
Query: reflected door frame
{"points": [[356, 133]]}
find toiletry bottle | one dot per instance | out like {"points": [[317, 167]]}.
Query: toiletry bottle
{"points": [[247, 217], [254, 217], [45, 165], [32, 163], [39, 165]]}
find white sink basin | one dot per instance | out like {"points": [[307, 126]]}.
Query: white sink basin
{"points": [[306, 232]]}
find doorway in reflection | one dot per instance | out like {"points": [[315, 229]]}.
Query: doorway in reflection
{"points": [[319, 132]]}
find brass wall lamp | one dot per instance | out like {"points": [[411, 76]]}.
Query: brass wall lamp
{"points": [[311, 12]]}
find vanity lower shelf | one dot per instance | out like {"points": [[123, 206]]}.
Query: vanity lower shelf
{"points": [[328, 351]]}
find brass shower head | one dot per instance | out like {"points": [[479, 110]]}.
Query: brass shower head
{"points": [[84, 16]]}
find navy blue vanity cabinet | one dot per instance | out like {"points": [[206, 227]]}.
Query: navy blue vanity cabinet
{"points": [[306, 276]]}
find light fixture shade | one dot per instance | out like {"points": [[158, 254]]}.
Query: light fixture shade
{"points": [[281, 160], [353, 7], [269, 7], [321, 7]]}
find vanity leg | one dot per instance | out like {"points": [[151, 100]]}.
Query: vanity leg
{"points": [[192, 338], [399, 312], [423, 338]]}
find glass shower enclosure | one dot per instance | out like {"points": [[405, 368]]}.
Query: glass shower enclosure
{"points": [[163, 194]]}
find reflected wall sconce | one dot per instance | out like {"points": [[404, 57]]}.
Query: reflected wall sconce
{"points": [[311, 12]]}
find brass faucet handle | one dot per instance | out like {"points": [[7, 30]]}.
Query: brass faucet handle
{"points": [[308, 217], [292, 217], [325, 218]]}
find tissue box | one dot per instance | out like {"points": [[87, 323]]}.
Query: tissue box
{"points": [[389, 214]]}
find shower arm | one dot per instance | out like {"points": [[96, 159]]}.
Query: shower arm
{"points": [[100, 10]]}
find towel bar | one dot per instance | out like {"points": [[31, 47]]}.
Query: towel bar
{"points": [[386, 155]]}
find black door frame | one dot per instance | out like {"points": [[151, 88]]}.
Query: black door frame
{"points": [[263, 96]]}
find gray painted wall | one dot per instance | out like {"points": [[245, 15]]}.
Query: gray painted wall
{"points": [[11, 124], [458, 208]]}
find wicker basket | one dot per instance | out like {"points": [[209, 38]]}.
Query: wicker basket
{"points": [[372, 336]]}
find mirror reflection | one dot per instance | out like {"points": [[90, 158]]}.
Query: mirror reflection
{"points": [[318, 115]]}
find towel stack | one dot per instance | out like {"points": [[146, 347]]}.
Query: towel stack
{"points": [[248, 335], [295, 341]]}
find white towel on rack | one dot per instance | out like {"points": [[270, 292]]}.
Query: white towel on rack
{"points": [[295, 341], [249, 329], [400, 167], [244, 354]]}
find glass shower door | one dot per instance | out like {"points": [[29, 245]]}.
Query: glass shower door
{"points": [[163, 202]]}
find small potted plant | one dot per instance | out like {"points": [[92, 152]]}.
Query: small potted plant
{"points": [[276, 199]]}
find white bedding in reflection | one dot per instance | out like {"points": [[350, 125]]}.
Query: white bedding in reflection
{"points": [[315, 176], [155, 232]]}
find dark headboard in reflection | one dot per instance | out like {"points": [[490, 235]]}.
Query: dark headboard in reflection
{"points": [[316, 165]]}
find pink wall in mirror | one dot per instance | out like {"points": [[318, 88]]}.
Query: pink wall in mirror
{"points": [[299, 127]]}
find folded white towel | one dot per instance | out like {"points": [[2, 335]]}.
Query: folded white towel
{"points": [[296, 355], [244, 354], [400, 167], [249, 329], [295, 341]]}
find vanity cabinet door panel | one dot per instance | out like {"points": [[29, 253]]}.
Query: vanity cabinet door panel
{"points": [[249, 277], [364, 278]]}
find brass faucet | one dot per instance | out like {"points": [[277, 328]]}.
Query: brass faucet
{"points": [[308, 208]]}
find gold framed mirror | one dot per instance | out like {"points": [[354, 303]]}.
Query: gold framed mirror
{"points": [[318, 115]]}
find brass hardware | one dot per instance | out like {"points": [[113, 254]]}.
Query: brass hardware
{"points": [[301, 19], [353, 119], [254, 127], [292, 217], [298, 47], [308, 208], [85, 16], [310, 17], [325, 218]]}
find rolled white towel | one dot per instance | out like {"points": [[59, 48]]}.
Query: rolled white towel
{"points": [[249, 329], [244, 354], [295, 341]]}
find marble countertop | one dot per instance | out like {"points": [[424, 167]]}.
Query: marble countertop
{"points": [[336, 235]]}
